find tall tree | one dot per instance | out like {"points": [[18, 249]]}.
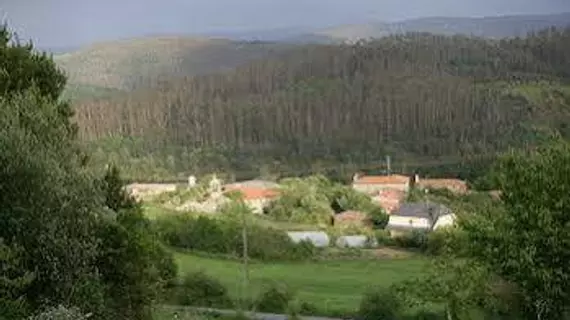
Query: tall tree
{"points": [[527, 242]]}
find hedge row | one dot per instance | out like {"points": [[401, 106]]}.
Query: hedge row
{"points": [[220, 236]]}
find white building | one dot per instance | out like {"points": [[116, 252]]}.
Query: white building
{"points": [[420, 216]]}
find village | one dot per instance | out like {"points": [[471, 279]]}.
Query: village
{"points": [[404, 199]]}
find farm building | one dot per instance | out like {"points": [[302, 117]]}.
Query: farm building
{"points": [[257, 198], [420, 216], [317, 238], [372, 184]]}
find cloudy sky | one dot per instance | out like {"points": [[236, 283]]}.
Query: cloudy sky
{"points": [[75, 22]]}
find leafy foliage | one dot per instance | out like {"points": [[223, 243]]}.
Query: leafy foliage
{"points": [[274, 299], [378, 217], [61, 313], [13, 282], [224, 236], [199, 289], [314, 199], [380, 304], [68, 237], [526, 241]]}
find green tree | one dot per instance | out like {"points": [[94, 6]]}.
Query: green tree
{"points": [[49, 204], [22, 68], [116, 197], [527, 241], [85, 243], [135, 267]]}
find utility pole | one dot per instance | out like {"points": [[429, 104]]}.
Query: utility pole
{"points": [[388, 166], [245, 295]]}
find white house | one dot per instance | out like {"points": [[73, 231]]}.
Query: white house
{"points": [[420, 216]]}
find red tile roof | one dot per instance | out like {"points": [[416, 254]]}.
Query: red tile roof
{"points": [[391, 179], [389, 199]]}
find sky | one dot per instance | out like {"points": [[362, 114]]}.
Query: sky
{"points": [[63, 23]]}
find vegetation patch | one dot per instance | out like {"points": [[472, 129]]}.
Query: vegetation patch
{"points": [[334, 287]]}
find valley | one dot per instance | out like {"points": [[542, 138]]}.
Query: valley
{"points": [[387, 170]]}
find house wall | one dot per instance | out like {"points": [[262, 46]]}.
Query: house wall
{"points": [[444, 221], [367, 188], [141, 190], [409, 222]]}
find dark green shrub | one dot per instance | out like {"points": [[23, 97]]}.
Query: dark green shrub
{"points": [[199, 289], [378, 217], [217, 236], [437, 242], [309, 309], [379, 304], [383, 238], [275, 299], [417, 239]]}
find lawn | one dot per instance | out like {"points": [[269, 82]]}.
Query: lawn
{"points": [[331, 286]]}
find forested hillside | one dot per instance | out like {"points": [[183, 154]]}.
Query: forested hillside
{"points": [[130, 63], [423, 99]]}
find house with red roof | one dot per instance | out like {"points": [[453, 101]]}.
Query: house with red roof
{"points": [[375, 184], [256, 197], [389, 199]]}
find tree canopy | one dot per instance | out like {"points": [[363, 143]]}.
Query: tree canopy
{"points": [[53, 209]]}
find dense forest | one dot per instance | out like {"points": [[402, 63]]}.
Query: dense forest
{"points": [[426, 100]]}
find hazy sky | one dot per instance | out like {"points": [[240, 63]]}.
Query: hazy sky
{"points": [[73, 22]]}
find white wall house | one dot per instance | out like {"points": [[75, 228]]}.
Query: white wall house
{"points": [[420, 216], [444, 221]]}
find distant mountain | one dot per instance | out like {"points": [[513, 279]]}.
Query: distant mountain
{"points": [[489, 27]]}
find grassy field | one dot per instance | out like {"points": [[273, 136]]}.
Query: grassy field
{"points": [[331, 286]]}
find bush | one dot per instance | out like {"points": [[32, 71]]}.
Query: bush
{"points": [[378, 217], [437, 242], [383, 238], [219, 236], [61, 313], [379, 304], [274, 299], [417, 239], [199, 289]]}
